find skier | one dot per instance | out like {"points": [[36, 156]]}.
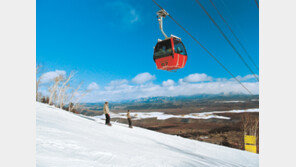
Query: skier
{"points": [[129, 119], [106, 112]]}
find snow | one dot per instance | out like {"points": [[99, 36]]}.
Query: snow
{"points": [[66, 139], [231, 101], [163, 116]]}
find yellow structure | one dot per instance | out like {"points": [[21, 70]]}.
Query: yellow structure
{"points": [[250, 143]]}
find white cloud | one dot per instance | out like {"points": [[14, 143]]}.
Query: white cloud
{"points": [[168, 83], [125, 13], [197, 78], [93, 86], [134, 16], [245, 78], [51, 75], [123, 90], [151, 90], [143, 78], [118, 82], [248, 77], [121, 84]]}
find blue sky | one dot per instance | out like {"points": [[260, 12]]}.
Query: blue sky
{"points": [[108, 41]]}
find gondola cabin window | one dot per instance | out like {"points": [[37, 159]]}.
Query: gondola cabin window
{"points": [[179, 47], [163, 49]]}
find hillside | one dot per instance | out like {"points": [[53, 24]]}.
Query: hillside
{"points": [[66, 139]]}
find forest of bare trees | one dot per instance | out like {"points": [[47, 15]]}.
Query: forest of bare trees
{"points": [[61, 92]]}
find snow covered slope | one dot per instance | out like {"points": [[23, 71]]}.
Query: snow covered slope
{"points": [[68, 140]]}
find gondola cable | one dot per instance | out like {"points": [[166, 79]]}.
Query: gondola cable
{"points": [[227, 39], [237, 39], [228, 71], [257, 4]]}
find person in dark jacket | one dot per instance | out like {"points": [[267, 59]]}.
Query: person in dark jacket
{"points": [[129, 119], [107, 113]]}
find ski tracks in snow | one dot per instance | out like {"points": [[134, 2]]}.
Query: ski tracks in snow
{"points": [[65, 139]]}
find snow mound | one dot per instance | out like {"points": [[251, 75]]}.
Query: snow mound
{"points": [[65, 139]]}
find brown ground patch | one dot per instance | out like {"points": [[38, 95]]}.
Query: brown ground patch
{"points": [[217, 131]]}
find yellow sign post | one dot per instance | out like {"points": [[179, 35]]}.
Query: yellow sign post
{"points": [[250, 143]]}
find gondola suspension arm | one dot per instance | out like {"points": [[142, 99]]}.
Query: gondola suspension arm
{"points": [[160, 15]]}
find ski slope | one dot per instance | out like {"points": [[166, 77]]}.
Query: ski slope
{"points": [[64, 139]]}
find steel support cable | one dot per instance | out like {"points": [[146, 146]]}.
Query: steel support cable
{"points": [[207, 51], [257, 4], [237, 39], [227, 39]]}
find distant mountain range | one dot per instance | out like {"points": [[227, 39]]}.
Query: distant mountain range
{"points": [[163, 99], [194, 98]]}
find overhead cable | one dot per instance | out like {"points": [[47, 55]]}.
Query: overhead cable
{"points": [[203, 47]]}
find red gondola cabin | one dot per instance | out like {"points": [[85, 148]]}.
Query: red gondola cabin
{"points": [[170, 54]]}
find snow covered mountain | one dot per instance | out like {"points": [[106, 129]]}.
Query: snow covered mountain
{"points": [[66, 139]]}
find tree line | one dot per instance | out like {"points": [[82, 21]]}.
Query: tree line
{"points": [[61, 92]]}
